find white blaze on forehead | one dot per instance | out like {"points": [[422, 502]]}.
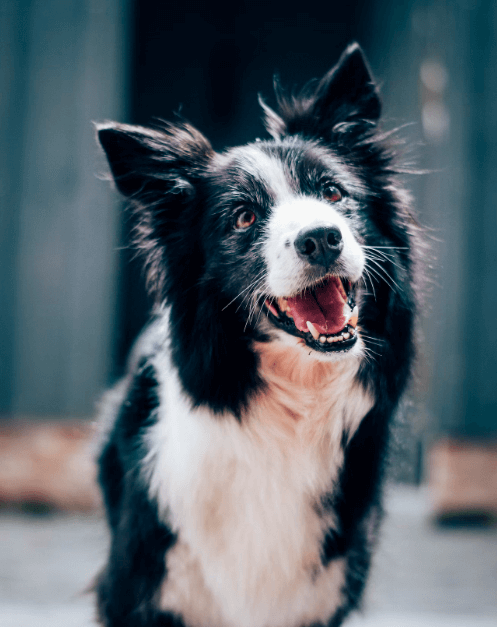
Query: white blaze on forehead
{"points": [[286, 270], [266, 169]]}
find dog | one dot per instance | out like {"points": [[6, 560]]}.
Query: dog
{"points": [[243, 452]]}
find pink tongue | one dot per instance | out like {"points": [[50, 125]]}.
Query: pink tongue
{"points": [[324, 307]]}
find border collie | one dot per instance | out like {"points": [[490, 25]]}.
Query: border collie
{"points": [[241, 466]]}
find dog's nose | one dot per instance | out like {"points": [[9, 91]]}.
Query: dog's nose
{"points": [[320, 246]]}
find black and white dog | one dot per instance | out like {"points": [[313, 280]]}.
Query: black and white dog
{"points": [[242, 459]]}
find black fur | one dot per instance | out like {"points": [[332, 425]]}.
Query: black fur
{"points": [[198, 264], [128, 585]]}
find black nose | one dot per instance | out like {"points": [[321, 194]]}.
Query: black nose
{"points": [[319, 246]]}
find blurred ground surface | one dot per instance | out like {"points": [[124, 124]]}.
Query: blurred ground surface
{"points": [[422, 576]]}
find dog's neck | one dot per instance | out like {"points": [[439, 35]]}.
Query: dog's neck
{"points": [[305, 395], [295, 366]]}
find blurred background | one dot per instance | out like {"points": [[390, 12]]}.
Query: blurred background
{"points": [[72, 297]]}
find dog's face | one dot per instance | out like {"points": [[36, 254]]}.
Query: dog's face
{"points": [[283, 235], [275, 240]]}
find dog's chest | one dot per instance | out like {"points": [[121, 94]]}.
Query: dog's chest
{"points": [[245, 502]]}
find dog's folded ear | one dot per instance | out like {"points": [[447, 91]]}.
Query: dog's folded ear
{"points": [[346, 95], [146, 163]]}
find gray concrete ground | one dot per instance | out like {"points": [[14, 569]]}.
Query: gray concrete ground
{"points": [[422, 576]]}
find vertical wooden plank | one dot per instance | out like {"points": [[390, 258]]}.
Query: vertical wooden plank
{"points": [[440, 60], [65, 275], [13, 58], [480, 228]]}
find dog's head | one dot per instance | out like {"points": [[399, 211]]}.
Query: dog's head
{"points": [[294, 239]]}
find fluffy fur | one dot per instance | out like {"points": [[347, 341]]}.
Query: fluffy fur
{"points": [[242, 459]]}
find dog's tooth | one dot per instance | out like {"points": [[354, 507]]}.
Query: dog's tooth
{"points": [[283, 304], [352, 331], [314, 332], [322, 339], [346, 336], [330, 339], [271, 308], [354, 317], [347, 312]]}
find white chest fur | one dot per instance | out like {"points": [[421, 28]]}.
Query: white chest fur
{"points": [[244, 498]]}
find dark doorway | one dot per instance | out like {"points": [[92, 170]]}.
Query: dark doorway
{"points": [[209, 61]]}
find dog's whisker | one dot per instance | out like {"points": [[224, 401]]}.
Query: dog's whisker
{"points": [[366, 271], [370, 351], [385, 247], [370, 356], [382, 257], [387, 278], [379, 277], [258, 277], [254, 303], [372, 339], [250, 300]]}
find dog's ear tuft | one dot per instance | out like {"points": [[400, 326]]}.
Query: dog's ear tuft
{"points": [[346, 97], [146, 162], [274, 124]]}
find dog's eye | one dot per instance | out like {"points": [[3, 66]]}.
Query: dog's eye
{"points": [[332, 193], [244, 219]]}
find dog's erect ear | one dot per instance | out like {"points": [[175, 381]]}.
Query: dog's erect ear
{"points": [[146, 163], [350, 87], [346, 94]]}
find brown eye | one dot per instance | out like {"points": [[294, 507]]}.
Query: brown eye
{"points": [[245, 219], [332, 193]]}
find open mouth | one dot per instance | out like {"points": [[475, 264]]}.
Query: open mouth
{"points": [[324, 315]]}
